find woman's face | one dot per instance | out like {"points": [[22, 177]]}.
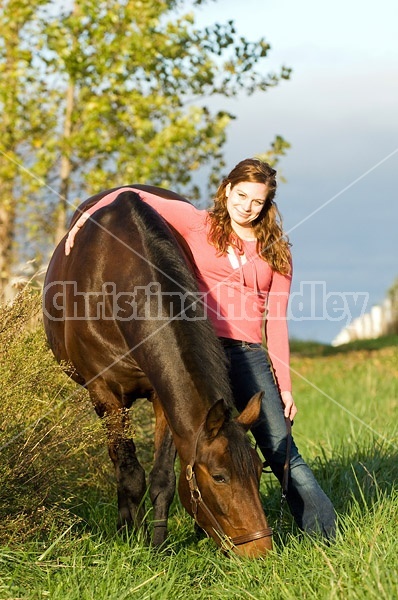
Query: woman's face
{"points": [[244, 203]]}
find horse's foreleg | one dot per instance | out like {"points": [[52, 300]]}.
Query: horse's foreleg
{"points": [[162, 481], [130, 476]]}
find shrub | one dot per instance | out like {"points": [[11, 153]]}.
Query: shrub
{"points": [[52, 444]]}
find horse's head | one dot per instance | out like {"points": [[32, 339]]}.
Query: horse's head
{"points": [[219, 487]]}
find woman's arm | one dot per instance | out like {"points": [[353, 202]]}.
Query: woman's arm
{"points": [[175, 211], [278, 338]]}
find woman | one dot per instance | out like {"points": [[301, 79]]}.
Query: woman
{"points": [[244, 272]]}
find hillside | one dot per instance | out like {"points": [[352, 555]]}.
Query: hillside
{"points": [[312, 348]]}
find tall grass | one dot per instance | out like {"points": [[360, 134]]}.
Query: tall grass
{"points": [[57, 495]]}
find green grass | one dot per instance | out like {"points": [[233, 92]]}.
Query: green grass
{"points": [[58, 505], [311, 348]]}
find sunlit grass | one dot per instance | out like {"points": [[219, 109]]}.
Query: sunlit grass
{"points": [[57, 497]]}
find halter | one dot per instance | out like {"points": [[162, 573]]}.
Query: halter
{"points": [[197, 501]]}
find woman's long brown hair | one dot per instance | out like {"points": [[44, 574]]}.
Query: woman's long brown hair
{"points": [[272, 243]]}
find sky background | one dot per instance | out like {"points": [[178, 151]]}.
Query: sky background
{"points": [[339, 112]]}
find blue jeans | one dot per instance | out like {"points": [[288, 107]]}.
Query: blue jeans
{"points": [[250, 372]]}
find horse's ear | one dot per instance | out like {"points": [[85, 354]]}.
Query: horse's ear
{"points": [[215, 418], [251, 412]]}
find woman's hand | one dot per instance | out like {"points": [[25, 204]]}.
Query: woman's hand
{"points": [[290, 410], [70, 240]]}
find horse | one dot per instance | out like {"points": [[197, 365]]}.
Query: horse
{"points": [[122, 312]]}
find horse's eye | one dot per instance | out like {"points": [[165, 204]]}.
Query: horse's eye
{"points": [[218, 478]]}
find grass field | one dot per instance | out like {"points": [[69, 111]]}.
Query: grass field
{"points": [[57, 494]]}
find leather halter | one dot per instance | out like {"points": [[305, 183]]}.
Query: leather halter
{"points": [[197, 501]]}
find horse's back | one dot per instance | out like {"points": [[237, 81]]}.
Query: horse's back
{"points": [[90, 298], [157, 191]]}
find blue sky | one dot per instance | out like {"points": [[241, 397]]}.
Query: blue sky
{"points": [[339, 111]]}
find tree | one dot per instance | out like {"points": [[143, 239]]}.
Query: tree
{"points": [[22, 127], [129, 84], [134, 76], [278, 148]]}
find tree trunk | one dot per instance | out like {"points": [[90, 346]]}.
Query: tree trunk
{"points": [[66, 168], [7, 227]]}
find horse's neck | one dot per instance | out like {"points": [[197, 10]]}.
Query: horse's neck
{"points": [[182, 397]]}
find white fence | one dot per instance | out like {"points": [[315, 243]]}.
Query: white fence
{"points": [[369, 326]]}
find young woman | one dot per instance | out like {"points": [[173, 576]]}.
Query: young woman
{"points": [[244, 272]]}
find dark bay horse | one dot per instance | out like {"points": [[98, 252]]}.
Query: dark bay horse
{"points": [[123, 311]]}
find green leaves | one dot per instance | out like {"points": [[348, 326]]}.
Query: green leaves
{"points": [[97, 93]]}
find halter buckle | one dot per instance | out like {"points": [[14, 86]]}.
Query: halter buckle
{"points": [[189, 472]]}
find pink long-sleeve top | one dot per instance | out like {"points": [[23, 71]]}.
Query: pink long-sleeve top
{"points": [[238, 290]]}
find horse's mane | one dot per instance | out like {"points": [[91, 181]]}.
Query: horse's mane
{"points": [[239, 444], [200, 349]]}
